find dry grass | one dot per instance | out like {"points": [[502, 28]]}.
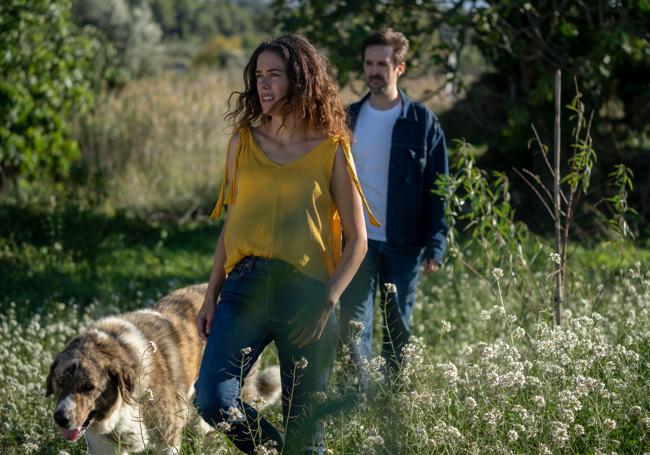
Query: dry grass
{"points": [[159, 143]]}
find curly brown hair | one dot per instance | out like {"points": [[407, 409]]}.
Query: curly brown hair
{"points": [[313, 92]]}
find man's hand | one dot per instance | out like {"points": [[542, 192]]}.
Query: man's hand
{"points": [[310, 322], [430, 265], [204, 318]]}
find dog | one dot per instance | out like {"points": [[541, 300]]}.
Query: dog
{"points": [[126, 383]]}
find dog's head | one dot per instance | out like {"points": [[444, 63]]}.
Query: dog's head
{"points": [[87, 382]]}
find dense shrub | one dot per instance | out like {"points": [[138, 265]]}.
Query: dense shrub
{"points": [[48, 71]]}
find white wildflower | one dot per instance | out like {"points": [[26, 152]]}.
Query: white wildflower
{"points": [[555, 258], [559, 433], [264, 450], [520, 411], [376, 364], [492, 418], [453, 432], [567, 415], [646, 423], [539, 401], [373, 439], [449, 372], [518, 333], [609, 424], [512, 435], [470, 403], [223, 427], [390, 288], [29, 447], [302, 363], [488, 353], [234, 413], [497, 273], [355, 328], [445, 327], [578, 429], [421, 433], [247, 350]]}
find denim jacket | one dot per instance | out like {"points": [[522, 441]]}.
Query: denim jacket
{"points": [[414, 216]]}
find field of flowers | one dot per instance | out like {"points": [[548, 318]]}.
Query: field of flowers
{"points": [[479, 377]]}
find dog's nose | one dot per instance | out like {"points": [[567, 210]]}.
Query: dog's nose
{"points": [[61, 418]]}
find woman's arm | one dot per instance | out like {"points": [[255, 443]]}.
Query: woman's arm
{"points": [[350, 207], [311, 323], [218, 274]]}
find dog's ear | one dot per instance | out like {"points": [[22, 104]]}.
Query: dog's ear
{"points": [[49, 390], [124, 377]]}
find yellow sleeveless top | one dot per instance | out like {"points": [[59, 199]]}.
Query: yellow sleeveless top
{"points": [[285, 211]]}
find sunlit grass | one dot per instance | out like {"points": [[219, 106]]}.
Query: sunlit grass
{"points": [[159, 143]]}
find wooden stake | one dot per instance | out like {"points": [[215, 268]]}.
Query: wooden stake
{"points": [[559, 276]]}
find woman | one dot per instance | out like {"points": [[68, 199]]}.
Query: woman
{"points": [[278, 268]]}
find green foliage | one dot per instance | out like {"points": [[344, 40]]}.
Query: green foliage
{"points": [[80, 253], [340, 27], [480, 204], [48, 73], [129, 28], [481, 207], [192, 19], [621, 178], [604, 44]]}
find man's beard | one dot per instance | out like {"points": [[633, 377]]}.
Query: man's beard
{"points": [[376, 89]]}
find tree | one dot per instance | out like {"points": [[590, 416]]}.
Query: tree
{"points": [[130, 29], [605, 45], [48, 71], [339, 27]]}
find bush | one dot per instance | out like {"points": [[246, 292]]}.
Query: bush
{"points": [[48, 73]]}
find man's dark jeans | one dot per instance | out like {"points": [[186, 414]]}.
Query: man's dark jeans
{"points": [[380, 267], [257, 301]]}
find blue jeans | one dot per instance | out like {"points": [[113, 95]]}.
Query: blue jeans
{"points": [[381, 266], [257, 301]]}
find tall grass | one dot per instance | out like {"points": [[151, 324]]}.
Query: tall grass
{"points": [[159, 143]]}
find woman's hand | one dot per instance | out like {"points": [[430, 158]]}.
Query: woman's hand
{"points": [[204, 318], [310, 322]]}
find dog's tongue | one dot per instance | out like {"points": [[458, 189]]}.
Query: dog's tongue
{"points": [[71, 435]]}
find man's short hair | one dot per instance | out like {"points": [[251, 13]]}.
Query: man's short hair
{"points": [[388, 37]]}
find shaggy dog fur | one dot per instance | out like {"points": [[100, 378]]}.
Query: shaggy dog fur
{"points": [[127, 382]]}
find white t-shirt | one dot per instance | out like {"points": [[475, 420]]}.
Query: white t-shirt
{"points": [[373, 135]]}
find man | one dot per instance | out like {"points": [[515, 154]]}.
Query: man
{"points": [[399, 151]]}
